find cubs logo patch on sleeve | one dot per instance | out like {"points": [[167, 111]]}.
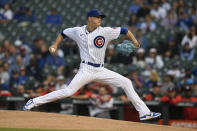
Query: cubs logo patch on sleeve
{"points": [[99, 41]]}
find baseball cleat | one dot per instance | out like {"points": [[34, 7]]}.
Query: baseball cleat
{"points": [[29, 105], [152, 115]]}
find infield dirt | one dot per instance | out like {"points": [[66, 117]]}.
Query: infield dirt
{"points": [[40, 120]]}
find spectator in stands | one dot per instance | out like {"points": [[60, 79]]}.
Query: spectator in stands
{"points": [[40, 59], [6, 45], [187, 53], [37, 44], [14, 81], [139, 58], [165, 5], [192, 13], [188, 75], [8, 58], [175, 6], [53, 18], [134, 7], [34, 70], [20, 12], [158, 12], [20, 91], [3, 19], [132, 20], [38, 90], [110, 54], [48, 79], [60, 84], [136, 79], [190, 113], [51, 87], [169, 21], [56, 61], [175, 71], [24, 43], [23, 78], [51, 107], [25, 55], [154, 59], [4, 79], [141, 38], [167, 83], [190, 38], [148, 70], [83, 94], [153, 79], [44, 51], [101, 104], [184, 21], [171, 49], [13, 51], [171, 97], [155, 94], [7, 12], [18, 64], [28, 17], [144, 10], [4, 76], [148, 25], [6, 71], [95, 86]]}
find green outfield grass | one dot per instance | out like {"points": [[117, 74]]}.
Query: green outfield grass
{"points": [[21, 129]]}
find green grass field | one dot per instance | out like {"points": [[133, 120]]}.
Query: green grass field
{"points": [[21, 129]]}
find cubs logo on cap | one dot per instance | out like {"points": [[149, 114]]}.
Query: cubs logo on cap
{"points": [[99, 41]]}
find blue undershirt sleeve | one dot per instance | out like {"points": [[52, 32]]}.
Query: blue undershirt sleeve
{"points": [[63, 35], [123, 30]]}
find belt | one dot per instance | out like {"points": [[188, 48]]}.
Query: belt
{"points": [[92, 64]]}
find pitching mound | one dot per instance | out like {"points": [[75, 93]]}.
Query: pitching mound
{"points": [[39, 120]]}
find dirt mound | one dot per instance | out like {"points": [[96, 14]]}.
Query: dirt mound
{"points": [[39, 120]]}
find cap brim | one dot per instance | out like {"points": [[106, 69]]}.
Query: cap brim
{"points": [[103, 16]]}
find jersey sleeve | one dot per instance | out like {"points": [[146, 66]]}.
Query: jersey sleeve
{"points": [[112, 32], [70, 32]]}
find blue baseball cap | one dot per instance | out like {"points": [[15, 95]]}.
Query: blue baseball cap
{"points": [[94, 13]]}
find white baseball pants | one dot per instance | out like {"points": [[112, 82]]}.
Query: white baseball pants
{"points": [[89, 73]]}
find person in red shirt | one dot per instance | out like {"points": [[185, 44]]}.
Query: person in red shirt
{"points": [[173, 98], [190, 113], [51, 87], [83, 93], [50, 107], [101, 104], [155, 95]]}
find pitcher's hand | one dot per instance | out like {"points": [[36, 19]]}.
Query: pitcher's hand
{"points": [[53, 49]]}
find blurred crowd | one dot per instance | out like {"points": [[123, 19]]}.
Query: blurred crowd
{"points": [[28, 69]]}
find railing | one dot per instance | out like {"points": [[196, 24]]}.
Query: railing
{"points": [[117, 102]]}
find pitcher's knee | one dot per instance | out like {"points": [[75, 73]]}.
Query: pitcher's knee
{"points": [[68, 91], [126, 83]]}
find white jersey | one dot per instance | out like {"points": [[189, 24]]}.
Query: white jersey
{"points": [[92, 45]]}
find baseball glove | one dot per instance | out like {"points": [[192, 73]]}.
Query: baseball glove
{"points": [[126, 47]]}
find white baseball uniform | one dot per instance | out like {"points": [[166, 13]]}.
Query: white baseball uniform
{"points": [[92, 47]]}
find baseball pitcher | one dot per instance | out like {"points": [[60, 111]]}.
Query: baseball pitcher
{"points": [[92, 40]]}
